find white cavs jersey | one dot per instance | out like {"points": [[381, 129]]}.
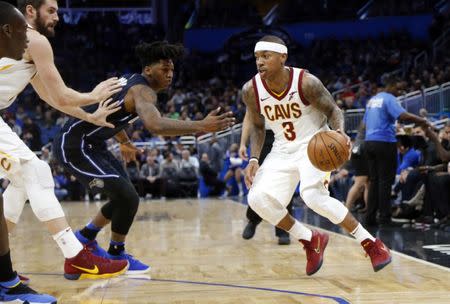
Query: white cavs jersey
{"points": [[15, 75], [288, 115]]}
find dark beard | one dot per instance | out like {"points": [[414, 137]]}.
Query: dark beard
{"points": [[41, 28]]}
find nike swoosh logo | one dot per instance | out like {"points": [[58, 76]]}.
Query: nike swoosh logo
{"points": [[317, 250], [262, 99], [91, 271]]}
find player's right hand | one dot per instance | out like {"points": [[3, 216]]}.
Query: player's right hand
{"points": [[243, 152], [214, 122], [105, 108], [250, 173], [108, 88]]}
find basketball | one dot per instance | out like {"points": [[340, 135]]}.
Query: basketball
{"points": [[327, 150]]}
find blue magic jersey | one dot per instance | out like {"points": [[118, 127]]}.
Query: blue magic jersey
{"points": [[75, 133]]}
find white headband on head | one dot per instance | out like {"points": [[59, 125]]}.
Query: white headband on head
{"points": [[270, 46]]}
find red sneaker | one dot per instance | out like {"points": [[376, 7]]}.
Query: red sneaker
{"points": [[378, 252], [314, 251], [24, 279], [85, 265]]}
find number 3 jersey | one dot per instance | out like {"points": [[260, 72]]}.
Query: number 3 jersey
{"points": [[289, 115]]}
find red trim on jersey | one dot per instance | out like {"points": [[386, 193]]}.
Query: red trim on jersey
{"points": [[255, 89], [291, 76], [300, 91]]}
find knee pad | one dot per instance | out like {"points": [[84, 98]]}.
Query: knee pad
{"points": [[319, 200], [14, 199], [39, 186], [266, 206]]}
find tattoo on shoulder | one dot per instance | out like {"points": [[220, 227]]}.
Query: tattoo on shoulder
{"points": [[317, 94], [248, 94]]}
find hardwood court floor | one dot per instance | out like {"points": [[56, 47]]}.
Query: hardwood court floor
{"points": [[198, 257]]}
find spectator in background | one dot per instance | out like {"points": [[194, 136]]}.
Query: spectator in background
{"points": [[169, 171], [188, 175], [407, 157], [215, 154], [210, 176], [361, 172], [31, 134], [437, 191], [61, 183], [381, 113], [235, 163], [153, 183]]}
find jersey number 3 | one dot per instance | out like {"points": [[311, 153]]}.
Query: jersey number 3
{"points": [[289, 131]]}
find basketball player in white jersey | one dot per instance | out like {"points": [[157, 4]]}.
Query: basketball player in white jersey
{"points": [[30, 178], [295, 105], [13, 41]]}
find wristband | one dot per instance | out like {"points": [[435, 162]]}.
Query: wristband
{"points": [[255, 159], [125, 142]]}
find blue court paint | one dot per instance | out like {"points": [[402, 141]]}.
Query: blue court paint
{"points": [[337, 299]]}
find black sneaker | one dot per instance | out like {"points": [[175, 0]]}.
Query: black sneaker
{"points": [[284, 240], [23, 294], [249, 230]]}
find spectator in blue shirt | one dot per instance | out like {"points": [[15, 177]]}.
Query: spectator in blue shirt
{"points": [[382, 111], [408, 157]]}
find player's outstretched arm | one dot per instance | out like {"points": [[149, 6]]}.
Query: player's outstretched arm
{"points": [[144, 101], [41, 53], [98, 118]]}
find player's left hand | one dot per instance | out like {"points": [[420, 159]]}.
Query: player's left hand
{"points": [[129, 152], [349, 142], [108, 88], [105, 108]]}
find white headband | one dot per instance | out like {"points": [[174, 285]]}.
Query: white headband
{"points": [[270, 46]]}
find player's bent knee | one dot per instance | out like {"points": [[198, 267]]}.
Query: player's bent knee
{"points": [[36, 171], [320, 202], [15, 198], [266, 206], [39, 187]]}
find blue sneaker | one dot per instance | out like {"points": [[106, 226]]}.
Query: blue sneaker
{"points": [[136, 266], [92, 246], [20, 293]]}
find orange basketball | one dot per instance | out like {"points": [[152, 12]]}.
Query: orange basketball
{"points": [[327, 150]]}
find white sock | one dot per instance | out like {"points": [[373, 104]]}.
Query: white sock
{"points": [[68, 242], [300, 232], [360, 234]]}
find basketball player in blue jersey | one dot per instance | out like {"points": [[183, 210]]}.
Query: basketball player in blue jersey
{"points": [[13, 41], [80, 147], [295, 105], [31, 178]]}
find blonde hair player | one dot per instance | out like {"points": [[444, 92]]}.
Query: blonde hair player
{"points": [[31, 178], [295, 105]]}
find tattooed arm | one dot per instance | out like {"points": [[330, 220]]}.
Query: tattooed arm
{"points": [[321, 99], [253, 121], [254, 129], [144, 104]]}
